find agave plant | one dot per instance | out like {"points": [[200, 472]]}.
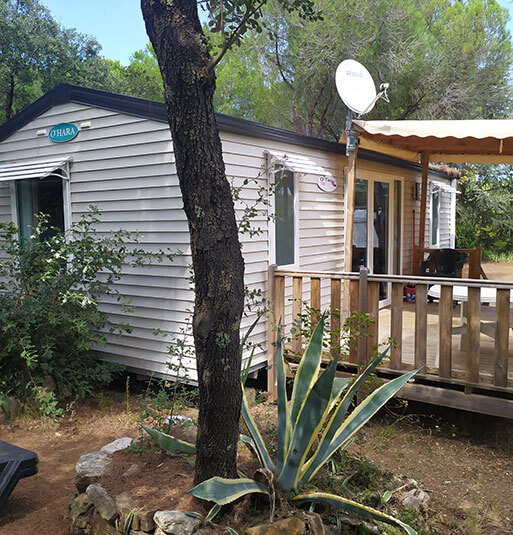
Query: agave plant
{"points": [[312, 426]]}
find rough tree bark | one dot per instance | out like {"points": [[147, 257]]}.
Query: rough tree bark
{"points": [[181, 48]]}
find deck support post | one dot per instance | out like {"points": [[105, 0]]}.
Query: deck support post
{"points": [[349, 225]]}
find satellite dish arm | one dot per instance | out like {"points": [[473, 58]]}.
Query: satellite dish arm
{"points": [[351, 138], [382, 94]]}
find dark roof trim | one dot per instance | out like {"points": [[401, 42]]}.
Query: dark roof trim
{"points": [[149, 109]]}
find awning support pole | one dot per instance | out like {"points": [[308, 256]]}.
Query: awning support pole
{"points": [[424, 159], [351, 151]]}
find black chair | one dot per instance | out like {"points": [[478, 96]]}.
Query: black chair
{"points": [[447, 263], [15, 463]]}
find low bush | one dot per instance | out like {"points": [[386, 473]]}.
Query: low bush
{"points": [[50, 319]]}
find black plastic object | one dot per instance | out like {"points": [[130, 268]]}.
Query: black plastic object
{"points": [[15, 463], [448, 263]]}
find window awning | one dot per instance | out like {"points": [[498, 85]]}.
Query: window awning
{"points": [[33, 169], [297, 163]]}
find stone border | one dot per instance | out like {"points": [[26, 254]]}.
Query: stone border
{"points": [[94, 512]]}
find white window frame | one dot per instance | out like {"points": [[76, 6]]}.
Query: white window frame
{"points": [[435, 240], [272, 219], [66, 198]]}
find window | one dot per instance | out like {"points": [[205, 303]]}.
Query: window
{"points": [[435, 218], [34, 196], [285, 223]]}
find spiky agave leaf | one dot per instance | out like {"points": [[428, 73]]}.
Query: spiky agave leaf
{"points": [[355, 421], [168, 443], [352, 507], [310, 421], [284, 425], [259, 444], [222, 491], [308, 370]]}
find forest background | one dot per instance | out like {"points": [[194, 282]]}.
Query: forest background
{"points": [[443, 59]]}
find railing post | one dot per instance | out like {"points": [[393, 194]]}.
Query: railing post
{"points": [[354, 289], [396, 325], [421, 326], [315, 301], [445, 332], [502, 339], [474, 264], [373, 311], [335, 304], [297, 301], [474, 335], [363, 306]]}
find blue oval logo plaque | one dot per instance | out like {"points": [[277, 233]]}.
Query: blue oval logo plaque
{"points": [[62, 132]]}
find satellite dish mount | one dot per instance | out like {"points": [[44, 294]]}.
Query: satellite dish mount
{"points": [[358, 92]]}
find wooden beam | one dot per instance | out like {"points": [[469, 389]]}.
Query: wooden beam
{"points": [[502, 339], [335, 316], [297, 301], [396, 328], [373, 340], [349, 222], [445, 332], [421, 327], [424, 159], [473, 335], [315, 301]]}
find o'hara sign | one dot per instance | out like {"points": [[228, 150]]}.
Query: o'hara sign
{"points": [[62, 132]]}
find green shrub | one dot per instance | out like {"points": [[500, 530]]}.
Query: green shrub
{"points": [[50, 318]]}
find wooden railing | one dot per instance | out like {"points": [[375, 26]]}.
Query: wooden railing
{"points": [[406, 323]]}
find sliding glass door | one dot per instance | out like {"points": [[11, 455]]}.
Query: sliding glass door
{"points": [[377, 228]]}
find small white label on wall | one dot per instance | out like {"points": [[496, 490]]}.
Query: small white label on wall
{"points": [[327, 183]]}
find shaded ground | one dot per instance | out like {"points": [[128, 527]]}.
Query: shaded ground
{"points": [[465, 462]]}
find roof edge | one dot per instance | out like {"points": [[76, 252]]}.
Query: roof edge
{"points": [[149, 109]]}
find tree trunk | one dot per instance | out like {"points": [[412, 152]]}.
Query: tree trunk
{"points": [[9, 103], [181, 48]]}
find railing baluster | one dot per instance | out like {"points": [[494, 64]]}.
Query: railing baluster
{"points": [[421, 326], [445, 332], [335, 303], [297, 298], [354, 295], [396, 325], [473, 335], [373, 311], [502, 327], [315, 300]]}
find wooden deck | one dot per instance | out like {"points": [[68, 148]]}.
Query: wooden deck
{"points": [[459, 353], [466, 361]]}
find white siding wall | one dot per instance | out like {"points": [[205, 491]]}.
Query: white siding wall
{"points": [[124, 165]]}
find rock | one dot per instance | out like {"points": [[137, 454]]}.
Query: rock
{"points": [[100, 526], [175, 523], [315, 524], [124, 507], [89, 468], [133, 469], [80, 515], [415, 499], [250, 394], [10, 409], [145, 519], [102, 501], [116, 445], [287, 526]]}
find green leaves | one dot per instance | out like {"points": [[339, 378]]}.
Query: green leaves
{"points": [[350, 506], [223, 491], [168, 443]]}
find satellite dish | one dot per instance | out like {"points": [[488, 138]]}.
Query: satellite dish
{"points": [[356, 87]]}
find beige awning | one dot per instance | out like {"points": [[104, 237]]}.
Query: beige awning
{"points": [[32, 169], [477, 141]]}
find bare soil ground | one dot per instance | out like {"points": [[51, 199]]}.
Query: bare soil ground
{"points": [[465, 461]]}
